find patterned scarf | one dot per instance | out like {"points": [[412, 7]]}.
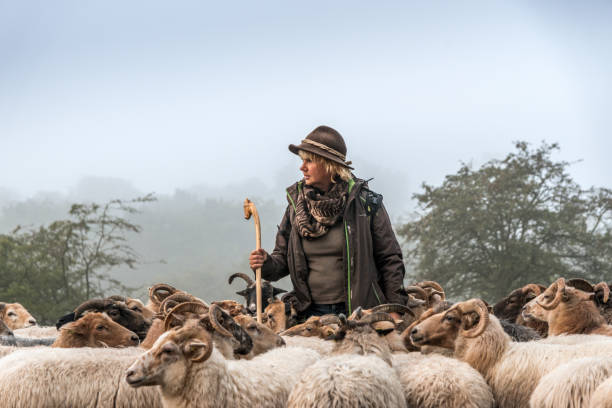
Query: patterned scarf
{"points": [[315, 213]]}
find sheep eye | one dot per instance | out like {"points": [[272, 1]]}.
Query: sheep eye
{"points": [[114, 312], [100, 328], [12, 314], [137, 309]]}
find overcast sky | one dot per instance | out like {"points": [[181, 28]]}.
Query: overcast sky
{"points": [[169, 95]]}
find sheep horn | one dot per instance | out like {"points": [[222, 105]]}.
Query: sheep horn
{"points": [[244, 276], [559, 287], [186, 307], [392, 308], [437, 292], [93, 304], [330, 319], [156, 294], [417, 290], [478, 306], [357, 314], [532, 287], [214, 309], [581, 284], [174, 300], [378, 317], [603, 286], [430, 284]]}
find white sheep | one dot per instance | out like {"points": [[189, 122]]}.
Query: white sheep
{"points": [[571, 384], [55, 377], [192, 373], [348, 381], [511, 369], [435, 381], [602, 397], [574, 339]]}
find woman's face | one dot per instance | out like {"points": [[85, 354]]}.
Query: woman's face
{"points": [[315, 174]]}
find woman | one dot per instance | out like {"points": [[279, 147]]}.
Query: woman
{"points": [[335, 239]]}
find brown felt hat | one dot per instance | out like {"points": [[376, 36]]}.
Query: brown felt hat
{"points": [[326, 142]]}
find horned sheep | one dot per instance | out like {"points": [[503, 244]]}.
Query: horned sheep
{"points": [[190, 372], [512, 370]]}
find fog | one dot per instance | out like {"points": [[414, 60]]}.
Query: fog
{"points": [[117, 99]]}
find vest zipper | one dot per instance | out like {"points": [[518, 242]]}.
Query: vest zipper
{"points": [[348, 264]]}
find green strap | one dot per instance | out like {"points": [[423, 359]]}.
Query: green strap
{"points": [[348, 263]]}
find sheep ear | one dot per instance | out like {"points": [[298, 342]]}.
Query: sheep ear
{"points": [[564, 296], [2, 306], [243, 292], [75, 328], [276, 291], [198, 351]]}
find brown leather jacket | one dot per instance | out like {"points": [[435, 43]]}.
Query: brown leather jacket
{"points": [[372, 256]]}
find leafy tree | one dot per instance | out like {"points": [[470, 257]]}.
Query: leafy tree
{"points": [[53, 268], [514, 221]]}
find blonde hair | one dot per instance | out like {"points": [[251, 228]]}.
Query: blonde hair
{"points": [[333, 168]]}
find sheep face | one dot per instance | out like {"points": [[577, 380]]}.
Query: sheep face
{"points": [[509, 308], [263, 337], [15, 316], [95, 330], [311, 328], [276, 316], [250, 294], [167, 363], [439, 329]]}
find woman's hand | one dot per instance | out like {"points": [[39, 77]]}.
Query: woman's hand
{"points": [[257, 259]]}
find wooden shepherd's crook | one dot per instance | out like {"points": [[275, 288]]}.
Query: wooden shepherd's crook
{"points": [[249, 209]]}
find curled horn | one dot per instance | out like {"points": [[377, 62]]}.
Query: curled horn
{"points": [[156, 292], [244, 276], [478, 306], [603, 286], [93, 304], [378, 317], [187, 307], [392, 308], [214, 310], [581, 284], [532, 287], [426, 314], [330, 319], [174, 300], [559, 289], [118, 298], [357, 314], [431, 284], [418, 290]]}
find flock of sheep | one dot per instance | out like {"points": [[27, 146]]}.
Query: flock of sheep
{"points": [[537, 347]]}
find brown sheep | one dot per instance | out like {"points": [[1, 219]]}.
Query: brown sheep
{"points": [[568, 311], [279, 316], [509, 308], [15, 316], [315, 326], [263, 337], [95, 330]]}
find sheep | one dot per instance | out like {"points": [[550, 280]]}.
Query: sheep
{"points": [[191, 372], [280, 316], [574, 339], [116, 310], [567, 310], [135, 305], [571, 384], [435, 381], [602, 396], [509, 308], [229, 337], [267, 291], [15, 316], [314, 326], [511, 369], [263, 337], [95, 330], [348, 381], [85, 377]]}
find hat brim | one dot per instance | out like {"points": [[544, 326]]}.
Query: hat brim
{"points": [[315, 150]]}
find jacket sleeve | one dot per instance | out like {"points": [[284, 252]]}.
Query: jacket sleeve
{"points": [[275, 266], [388, 257]]}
